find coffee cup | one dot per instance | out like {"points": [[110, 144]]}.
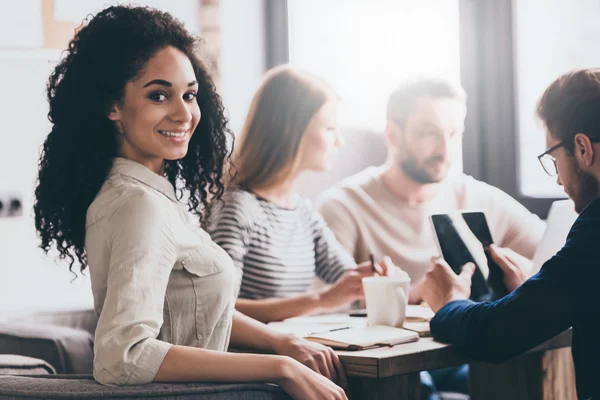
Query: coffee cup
{"points": [[386, 299]]}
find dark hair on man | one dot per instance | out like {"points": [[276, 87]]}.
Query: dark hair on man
{"points": [[404, 98], [106, 53], [571, 105]]}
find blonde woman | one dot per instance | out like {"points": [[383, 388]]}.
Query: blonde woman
{"points": [[278, 242]]}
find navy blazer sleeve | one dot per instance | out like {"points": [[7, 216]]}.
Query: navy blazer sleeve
{"points": [[538, 310]]}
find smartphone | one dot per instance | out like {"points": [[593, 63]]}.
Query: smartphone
{"points": [[462, 237]]}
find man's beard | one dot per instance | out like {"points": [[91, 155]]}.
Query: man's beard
{"points": [[415, 171], [587, 190]]}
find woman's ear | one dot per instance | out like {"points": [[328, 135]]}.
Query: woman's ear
{"points": [[114, 113]]}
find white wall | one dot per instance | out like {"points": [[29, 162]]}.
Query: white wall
{"points": [[28, 280]]}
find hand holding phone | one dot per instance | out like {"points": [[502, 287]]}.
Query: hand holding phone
{"points": [[462, 237]]}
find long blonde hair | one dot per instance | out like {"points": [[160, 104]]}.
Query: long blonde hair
{"points": [[269, 147]]}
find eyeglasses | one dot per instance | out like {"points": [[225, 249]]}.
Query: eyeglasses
{"points": [[548, 161]]}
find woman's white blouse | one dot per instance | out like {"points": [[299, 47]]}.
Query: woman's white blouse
{"points": [[157, 277]]}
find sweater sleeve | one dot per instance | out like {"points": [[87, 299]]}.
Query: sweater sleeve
{"points": [[331, 258], [340, 221], [231, 225], [512, 225]]}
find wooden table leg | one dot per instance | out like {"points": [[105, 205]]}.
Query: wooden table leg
{"points": [[393, 388], [540, 375]]}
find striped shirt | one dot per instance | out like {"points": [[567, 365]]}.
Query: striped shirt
{"points": [[277, 251]]}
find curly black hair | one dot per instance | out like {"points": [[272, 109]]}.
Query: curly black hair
{"points": [[108, 51]]}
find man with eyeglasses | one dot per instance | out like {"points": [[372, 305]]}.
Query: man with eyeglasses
{"points": [[564, 293], [385, 209]]}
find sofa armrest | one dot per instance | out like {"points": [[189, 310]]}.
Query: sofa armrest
{"points": [[68, 350], [85, 319], [11, 364], [46, 387]]}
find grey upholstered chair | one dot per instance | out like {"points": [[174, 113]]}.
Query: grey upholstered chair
{"points": [[84, 387]]}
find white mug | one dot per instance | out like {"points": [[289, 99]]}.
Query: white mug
{"points": [[387, 299]]}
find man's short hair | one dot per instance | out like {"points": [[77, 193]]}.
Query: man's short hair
{"points": [[571, 105], [404, 98]]}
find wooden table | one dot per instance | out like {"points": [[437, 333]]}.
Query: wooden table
{"points": [[545, 372]]}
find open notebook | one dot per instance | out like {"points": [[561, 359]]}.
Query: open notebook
{"points": [[417, 318], [414, 313], [366, 337]]}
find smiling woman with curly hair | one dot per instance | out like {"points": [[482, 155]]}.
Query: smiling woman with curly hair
{"points": [[137, 126], [79, 151]]}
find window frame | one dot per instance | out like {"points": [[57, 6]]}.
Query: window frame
{"points": [[491, 141], [276, 33]]}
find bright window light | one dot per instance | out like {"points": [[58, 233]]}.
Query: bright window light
{"points": [[365, 48]]}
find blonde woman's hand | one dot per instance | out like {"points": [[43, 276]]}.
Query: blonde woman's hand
{"points": [[349, 287], [319, 358], [302, 383], [345, 290]]}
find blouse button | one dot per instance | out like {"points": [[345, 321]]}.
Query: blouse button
{"points": [[183, 263]]}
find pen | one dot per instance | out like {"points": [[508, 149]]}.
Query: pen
{"points": [[331, 330], [372, 259]]}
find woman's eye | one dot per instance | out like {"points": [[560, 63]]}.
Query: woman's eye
{"points": [[189, 96], [157, 96]]}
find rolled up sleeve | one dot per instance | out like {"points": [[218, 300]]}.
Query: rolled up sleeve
{"points": [[142, 255]]}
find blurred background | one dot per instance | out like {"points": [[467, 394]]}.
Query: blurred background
{"points": [[503, 52]]}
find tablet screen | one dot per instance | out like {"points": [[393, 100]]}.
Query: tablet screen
{"points": [[465, 237]]}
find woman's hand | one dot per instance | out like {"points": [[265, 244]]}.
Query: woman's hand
{"points": [[349, 287], [516, 268], [302, 383], [344, 291], [315, 356]]}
